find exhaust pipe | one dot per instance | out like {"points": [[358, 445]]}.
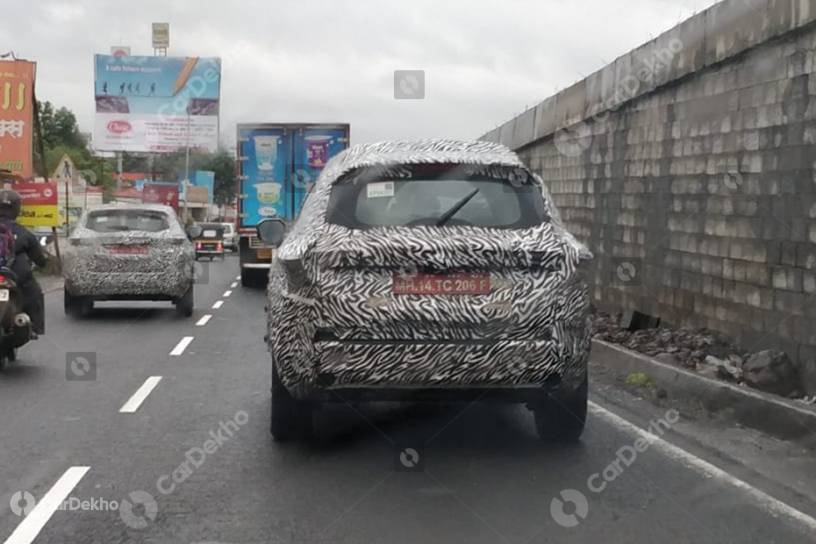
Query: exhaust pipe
{"points": [[22, 320]]}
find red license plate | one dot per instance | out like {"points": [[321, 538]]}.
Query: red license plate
{"points": [[128, 250], [441, 284]]}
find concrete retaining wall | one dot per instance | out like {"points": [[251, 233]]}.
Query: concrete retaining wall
{"points": [[687, 166]]}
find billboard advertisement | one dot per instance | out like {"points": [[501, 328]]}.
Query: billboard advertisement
{"points": [[161, 193], [156, 104], [205, 178], [17, 116], [161, 35], [39, 204], [313, 147], [278, 162], [265, 155]]}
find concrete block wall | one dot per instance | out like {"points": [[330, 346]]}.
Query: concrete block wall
{"points": [[689, 167]]}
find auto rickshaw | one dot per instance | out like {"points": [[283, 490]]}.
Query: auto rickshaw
{"points": [[209, 240]]}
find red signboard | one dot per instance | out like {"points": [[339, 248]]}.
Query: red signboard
{"points": [[37, 193], [161, 193]]}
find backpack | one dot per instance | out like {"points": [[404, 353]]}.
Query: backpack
{"points": [[6, 243]]}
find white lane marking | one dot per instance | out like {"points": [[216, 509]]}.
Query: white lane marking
{"points": [[140, 395], [233, 285], [30, 527], [226, 293], [203, 321], [772, 505], [218, 304], [181, 346], [237, 277]]}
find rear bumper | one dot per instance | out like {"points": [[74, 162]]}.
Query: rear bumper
{"points": [[504, 371], [129, 285]]}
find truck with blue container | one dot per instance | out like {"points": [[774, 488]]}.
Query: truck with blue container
{"points": [[277, 163]]}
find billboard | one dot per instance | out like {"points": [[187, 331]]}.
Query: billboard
{"points": [[205, 178], [17, 116], [156, 104], [161, 193], [39, 204], [161, 35]]}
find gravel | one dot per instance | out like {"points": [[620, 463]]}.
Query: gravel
{"points": [[701, 350]]}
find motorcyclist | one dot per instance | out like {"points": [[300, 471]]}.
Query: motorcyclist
{"points": [[27, 249]]}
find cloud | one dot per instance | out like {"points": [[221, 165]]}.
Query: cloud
{"points": [[333, 61]]}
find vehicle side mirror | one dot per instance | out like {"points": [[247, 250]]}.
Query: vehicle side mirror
{"points": [[194, 232], [271, 231]]}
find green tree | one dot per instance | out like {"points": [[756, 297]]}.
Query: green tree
{"points": [[59, 127], [61, 136]]}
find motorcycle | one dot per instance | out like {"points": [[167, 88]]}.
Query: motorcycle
{"points": [[15, 325]]}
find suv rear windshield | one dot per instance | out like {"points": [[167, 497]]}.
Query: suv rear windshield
{"points": [[436, 194], [212, 230], [127, 220]]}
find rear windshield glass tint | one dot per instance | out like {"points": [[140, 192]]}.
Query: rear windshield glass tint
{"points": [[427, 195], [211, 230], [127, 220]]}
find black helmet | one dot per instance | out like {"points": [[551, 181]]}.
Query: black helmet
{"points": [[10, 203]]}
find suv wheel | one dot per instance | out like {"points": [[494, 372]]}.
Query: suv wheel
{"points": [[252, 278], [184, 305], [562, 417], [76, 306], [290, 417]]}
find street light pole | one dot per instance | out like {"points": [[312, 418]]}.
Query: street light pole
{"points": [[186, 181]]}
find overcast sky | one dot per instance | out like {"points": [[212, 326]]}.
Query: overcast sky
{"points": [[334, 60]]}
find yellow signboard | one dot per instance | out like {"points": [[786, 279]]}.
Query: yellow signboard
{"points": [[39, 216]]}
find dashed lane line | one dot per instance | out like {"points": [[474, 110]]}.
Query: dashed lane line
{"points": [[181, 346], [233, 285], [203, 321], [226, 293], [30, 527], [140, 395], [218, 304]]}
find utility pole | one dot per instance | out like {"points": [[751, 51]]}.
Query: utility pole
{"points": [[186, 181], [119, 162]]}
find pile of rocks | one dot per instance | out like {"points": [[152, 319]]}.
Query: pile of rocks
{"points": [[707, 352]]}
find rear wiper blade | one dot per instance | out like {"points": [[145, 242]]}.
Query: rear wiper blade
{"points": [[455, 209]]}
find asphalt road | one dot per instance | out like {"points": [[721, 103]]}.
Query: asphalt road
{"points": [[167, 441]]}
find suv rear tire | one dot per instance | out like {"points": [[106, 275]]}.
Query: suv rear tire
{"points": [[185, 304], [252, 278], [76, 306], [562, 418], [290, 418]]}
